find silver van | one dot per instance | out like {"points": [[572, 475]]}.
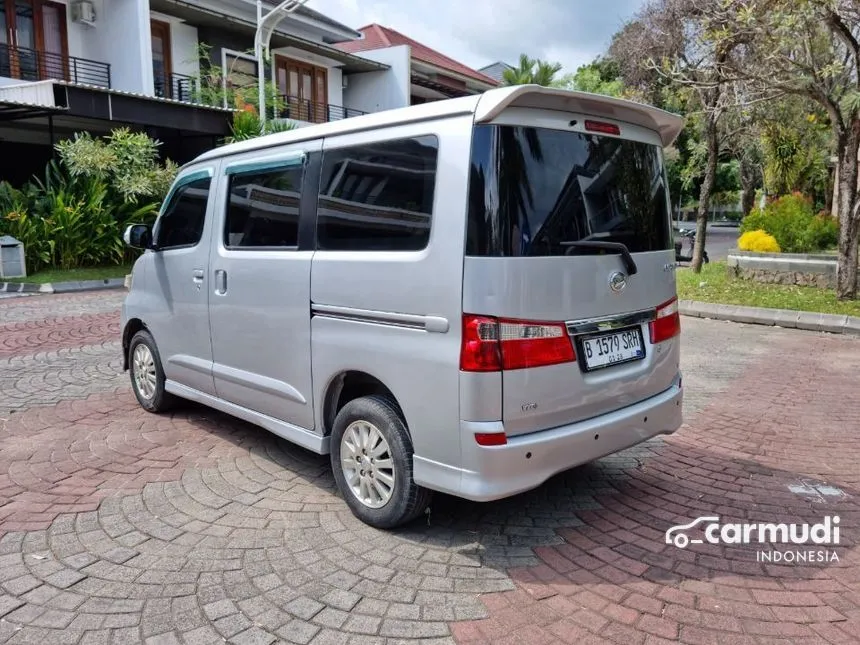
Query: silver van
{"points": [[467, 296]]}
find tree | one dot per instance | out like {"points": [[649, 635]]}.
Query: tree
{"points": [[811, 48], [601, 76], [687, 43], [531, 71], [746, 148]]}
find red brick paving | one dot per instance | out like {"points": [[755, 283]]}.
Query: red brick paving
{"points": [[791, 419], [65, 458], [57, 333]]}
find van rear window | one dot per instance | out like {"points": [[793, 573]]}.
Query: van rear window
{"points": [[532, 191]]}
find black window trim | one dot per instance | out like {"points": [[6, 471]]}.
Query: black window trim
{"points": [[335, 147]]}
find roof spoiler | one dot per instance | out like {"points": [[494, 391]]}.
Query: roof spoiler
{"points": [[666, 124]]}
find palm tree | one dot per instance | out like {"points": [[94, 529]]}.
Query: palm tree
{"points": [[531, 71]]}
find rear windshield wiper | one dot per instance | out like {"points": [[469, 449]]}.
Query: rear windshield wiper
{"points": [[618, 247]]}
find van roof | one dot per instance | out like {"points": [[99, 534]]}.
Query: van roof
{"points": [[485, 107]]}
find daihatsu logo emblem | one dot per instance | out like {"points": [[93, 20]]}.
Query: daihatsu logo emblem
{"points": [[617, 281]]}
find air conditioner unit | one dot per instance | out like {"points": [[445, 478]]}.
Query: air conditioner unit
{"points": [[84, 13]]}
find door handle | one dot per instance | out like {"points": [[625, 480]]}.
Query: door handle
{"points": [[197, 276], [220, 282]]}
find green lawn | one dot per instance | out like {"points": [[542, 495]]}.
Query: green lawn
{"points": [[73, 275], [720, 288]]}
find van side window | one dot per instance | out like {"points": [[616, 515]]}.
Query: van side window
{"points": [[263, 210], [377, 197], [181, 224]]}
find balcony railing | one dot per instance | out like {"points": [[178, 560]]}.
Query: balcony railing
{"points": [[178, 87], [32, 65], [305, 110]]}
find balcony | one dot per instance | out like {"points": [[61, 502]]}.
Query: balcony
{"points": [[312, 112], [32, 65], [178, 87]]}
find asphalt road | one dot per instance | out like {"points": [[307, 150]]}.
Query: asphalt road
{"points": [[718, 242]]}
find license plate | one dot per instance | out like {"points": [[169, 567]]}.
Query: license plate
{"points": [[612, 348]]}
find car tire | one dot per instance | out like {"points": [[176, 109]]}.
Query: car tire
{"points": [[147, 374], [371, 458]]}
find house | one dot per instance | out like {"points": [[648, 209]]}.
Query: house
{"points": [[496, 70], [94, 65], [416, 74]]}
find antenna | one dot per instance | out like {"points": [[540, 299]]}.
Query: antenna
{"points": [[265, 27]]}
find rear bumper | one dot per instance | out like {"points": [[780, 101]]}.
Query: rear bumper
{"points": [[527, 461]]}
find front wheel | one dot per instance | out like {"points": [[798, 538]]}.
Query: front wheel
{"points": [[147, 375], [371, 458]]}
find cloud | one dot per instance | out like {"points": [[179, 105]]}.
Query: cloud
{"points": [[480, 32]]}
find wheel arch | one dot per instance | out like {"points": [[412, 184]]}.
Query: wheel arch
{"points": [[347, 386], [133, 326]]}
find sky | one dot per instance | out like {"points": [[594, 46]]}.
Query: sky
{"points": [[481, 32]]}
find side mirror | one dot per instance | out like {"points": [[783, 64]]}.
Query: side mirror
{"points": [[137, 236]]}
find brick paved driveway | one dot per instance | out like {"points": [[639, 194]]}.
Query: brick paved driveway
{"points": [[120, 527]]}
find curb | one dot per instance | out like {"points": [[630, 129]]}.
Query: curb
{"points": [[62, 287], [831, 323]]}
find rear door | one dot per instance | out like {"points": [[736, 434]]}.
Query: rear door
{"points": [[544, 183]]}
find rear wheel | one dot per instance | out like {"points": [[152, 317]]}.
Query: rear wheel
{"points": [[371, 457], [147, 375]]}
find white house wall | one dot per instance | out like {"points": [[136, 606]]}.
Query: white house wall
{"points": [[184, 53], [120, 37], [335, 86], [383, 90], [130, 44]]}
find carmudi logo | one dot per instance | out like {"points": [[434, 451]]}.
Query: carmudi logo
{"points": [[825, 533]]}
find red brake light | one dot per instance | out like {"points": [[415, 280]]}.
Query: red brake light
{"points": [[602, 126], [491, 438], [490, 344], [667, 323]]}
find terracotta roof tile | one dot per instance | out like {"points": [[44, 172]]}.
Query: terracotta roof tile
{"points": [[378, 37]]}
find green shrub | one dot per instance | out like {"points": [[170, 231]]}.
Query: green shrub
{"points": [[823, 231], [126, 161], [31, 230], [75, 214], [791, 220], [246, 125]]}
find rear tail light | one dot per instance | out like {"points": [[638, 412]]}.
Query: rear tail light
{"points": [[667, 322], [492, 344], [602, 127], [479, 349]]}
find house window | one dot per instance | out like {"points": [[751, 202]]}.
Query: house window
{"points": [[162, 65], [33, 40], [304, 88], [240, 70]]}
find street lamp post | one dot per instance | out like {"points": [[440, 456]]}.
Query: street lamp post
{"points": [[265, 26]]}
